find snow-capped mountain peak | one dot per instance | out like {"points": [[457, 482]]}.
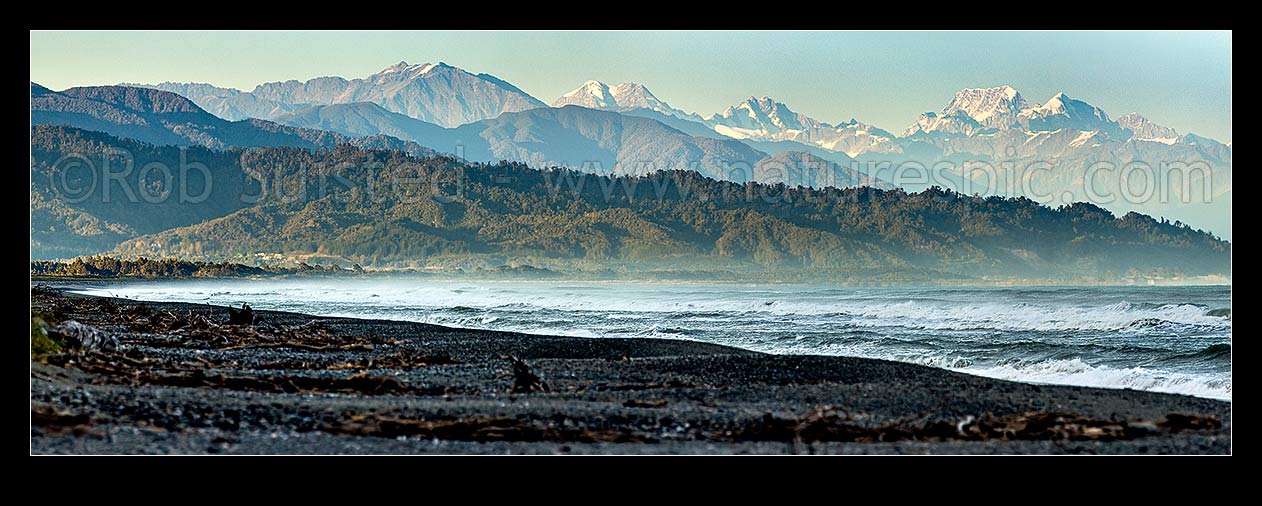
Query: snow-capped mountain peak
{"points": [[761, 115], [404, 70], [958, 123], [591, 87], [1055, 105], [765, 119], [1061, 104], [434, 92], [396, 67], [622, 97], [974, 110], [592, 94], [1061, 111], [996, 107], [1143, 130]]}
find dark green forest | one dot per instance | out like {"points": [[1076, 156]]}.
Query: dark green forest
{"points": [[109, 267], [384, 208]]}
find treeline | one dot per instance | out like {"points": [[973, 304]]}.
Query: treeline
{"points": [[89, 190], [111, 267], [388, 209]]}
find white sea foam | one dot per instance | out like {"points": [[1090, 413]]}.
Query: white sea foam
{"points": [[1077, 372], [1119, 315], [1065, 335]]}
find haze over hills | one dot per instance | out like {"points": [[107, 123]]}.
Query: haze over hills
{"points": [[492, 214], [437, 93], [755, 119], [160, 117], [66, 227], [227, 103], [450, 97], [995, 128], [596, 141], [164, 118], [1068, 150]]}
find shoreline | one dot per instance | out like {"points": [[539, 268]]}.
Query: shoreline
{"points": [[305, 384], [1176, 384], [450, 276]]}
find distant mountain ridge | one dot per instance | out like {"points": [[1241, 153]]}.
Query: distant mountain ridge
{"points": [[764, 119], [619, 98], [227, 103], [448, 96], [165, 118], [437, 93], [997, 128], [489, 214], [996, 125], [577, 137]]}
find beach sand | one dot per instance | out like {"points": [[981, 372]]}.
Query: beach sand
{"points": [[182, 381]]}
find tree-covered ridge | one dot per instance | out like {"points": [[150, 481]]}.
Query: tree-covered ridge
{"points": [[459, 210], [386, 208], [77, 210], [167, 268]]}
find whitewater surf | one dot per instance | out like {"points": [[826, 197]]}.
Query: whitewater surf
{"points": [[1164, 339]]}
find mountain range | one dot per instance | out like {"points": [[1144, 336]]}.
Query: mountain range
{"points": [[1046, 148], [598, 141], [479, 215], [451, 97], [436, 93], [625, 129], [164, 118]]}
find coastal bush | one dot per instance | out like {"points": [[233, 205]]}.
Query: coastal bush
{"points": [[42, 343]]}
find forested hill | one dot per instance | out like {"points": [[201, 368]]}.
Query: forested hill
{"points": [[385, 208]]}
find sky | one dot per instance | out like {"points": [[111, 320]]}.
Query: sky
{"points": [[1178, 79]]}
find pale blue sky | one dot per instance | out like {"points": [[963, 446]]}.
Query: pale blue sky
{"points": [[1179, 79]]}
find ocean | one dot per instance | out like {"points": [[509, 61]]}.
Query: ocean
{"points": [[1154, 338]]}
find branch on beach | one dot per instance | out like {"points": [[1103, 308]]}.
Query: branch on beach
{"points": [[525, 381]]}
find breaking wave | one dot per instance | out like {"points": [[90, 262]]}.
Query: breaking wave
{"points": [[1167, 339], [1078, 372]]}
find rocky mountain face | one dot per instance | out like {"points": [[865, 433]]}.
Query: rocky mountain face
{"points": [[992, 138], [623, 132], [972, 111], [1144, 130], [164, 118], [447, 109], [227, 103], [996, 108], [1061, 112], [764, 119], [622, 97], [437, 93], [572, 136]]}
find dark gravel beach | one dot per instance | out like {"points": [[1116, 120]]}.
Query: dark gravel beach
{"points": [[182, 379]]}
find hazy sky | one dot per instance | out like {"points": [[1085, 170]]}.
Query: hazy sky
{"points": [[1179, 79]]}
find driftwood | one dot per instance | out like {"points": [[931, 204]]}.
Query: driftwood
{"points": [[85, 337], [243, 316], [524, 381]]}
